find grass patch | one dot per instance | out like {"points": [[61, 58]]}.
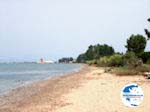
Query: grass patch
{"points": [[130, 71]]}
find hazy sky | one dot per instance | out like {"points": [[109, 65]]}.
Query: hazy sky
{"points": [[31, 29]]}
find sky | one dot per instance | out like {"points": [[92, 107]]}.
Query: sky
{"points": [[51, 29]]}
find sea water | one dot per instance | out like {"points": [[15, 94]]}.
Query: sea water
{"points": [[13, 75]]}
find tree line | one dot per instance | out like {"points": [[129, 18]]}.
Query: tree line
{"points": [[105, 54]]}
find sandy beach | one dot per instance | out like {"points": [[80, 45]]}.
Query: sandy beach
{"points": [[88, 90]]}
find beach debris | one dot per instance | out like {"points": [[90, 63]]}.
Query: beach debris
{"points": [[147, 75]]}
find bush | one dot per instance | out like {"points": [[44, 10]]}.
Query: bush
{"points": [[121, 71], [128, 71], [114, 60], [104, 61], [143, 68], [145, 56], [92, 62], [131, 60], [148, 61]]}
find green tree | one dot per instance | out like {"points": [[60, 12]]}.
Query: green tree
{"points": [[136, 44], [90, 52], [95, 52], [105, 50], [145, 56], [147, 32], [81, 58]]}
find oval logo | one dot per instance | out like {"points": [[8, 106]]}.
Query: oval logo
{"points": [[132, 95]]}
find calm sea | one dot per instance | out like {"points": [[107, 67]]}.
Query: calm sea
{"points": [[13, 75]]}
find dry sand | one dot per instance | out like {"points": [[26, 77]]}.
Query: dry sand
{"points": [[90, 90]]}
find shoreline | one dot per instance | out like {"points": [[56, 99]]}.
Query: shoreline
{"points": [[18, 96], [88, 90], [28, 83]]}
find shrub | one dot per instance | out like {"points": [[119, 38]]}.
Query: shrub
{"points": [[131, 60], [148, 61], [128, 71], [143, 68], [145, 56], [92, 62], [121, 71], [103, 61], [114, 60]]}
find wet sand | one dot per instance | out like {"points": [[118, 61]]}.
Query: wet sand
{"points": [[89, 90], [42, 96]]}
